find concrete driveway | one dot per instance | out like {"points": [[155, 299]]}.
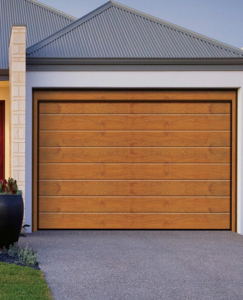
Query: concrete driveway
{"points": [[143, 265]]}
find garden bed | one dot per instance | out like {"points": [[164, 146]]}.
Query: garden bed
{"points": [[5, 258]]}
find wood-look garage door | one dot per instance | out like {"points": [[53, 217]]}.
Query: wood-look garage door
{"points": [[135, 160]]}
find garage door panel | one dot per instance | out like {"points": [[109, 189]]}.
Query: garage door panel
{"points": [[145, 204], [134, 188], [134, 221], [134, 139], [134, 122], [125, 107], [133, 171], [135, 160], [134, 155], [137, 96]]}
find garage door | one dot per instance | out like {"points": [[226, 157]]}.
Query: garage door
{"points": [[134, 160]]}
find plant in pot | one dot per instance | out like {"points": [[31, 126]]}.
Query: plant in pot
{"points": [[11, 212]]}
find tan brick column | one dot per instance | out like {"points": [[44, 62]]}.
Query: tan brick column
{"points": [[17, 75]]}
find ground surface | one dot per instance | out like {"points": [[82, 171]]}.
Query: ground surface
{"points": [[22, 283], [143, 265]]}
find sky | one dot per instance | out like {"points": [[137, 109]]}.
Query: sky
{"points": [[218, 19]]}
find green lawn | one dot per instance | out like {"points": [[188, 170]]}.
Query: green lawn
{"points": [[22, 283]]}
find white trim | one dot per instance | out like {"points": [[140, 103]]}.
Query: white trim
{"points": [[166, 80], [239, 161]]}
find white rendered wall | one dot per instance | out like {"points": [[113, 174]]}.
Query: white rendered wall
{"points": [[166, 80]]}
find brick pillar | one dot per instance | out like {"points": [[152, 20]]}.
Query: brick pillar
{"points": [[17, 76]]}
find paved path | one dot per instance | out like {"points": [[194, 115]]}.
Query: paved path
{"points": [[143, 265]]}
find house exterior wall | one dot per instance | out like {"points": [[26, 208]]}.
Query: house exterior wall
{"points": [[17, 74], [4, 95], [163, 80]]}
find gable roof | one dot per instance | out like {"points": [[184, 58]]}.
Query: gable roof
{"points": [[116, 31], [40, 20]]}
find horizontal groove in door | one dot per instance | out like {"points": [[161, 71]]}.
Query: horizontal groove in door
{"points": [[146, 204], [136, 95], [134, 221], [134, 122], [130, 115], [134, 139], [125, 107], [134, 155], [133, 172], [133, 131], [134, 188]]}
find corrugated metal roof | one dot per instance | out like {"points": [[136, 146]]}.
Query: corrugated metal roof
{"points": [[41, 21], [116, 31]]}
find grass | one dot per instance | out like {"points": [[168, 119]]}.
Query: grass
{"points": [[22, 283]]}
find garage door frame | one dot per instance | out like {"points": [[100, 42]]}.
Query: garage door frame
{"points": [[133, 95]]}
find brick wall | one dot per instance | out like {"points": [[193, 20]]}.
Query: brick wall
{"points": [[17, 89]]}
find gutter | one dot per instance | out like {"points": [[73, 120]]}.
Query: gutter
{"points": [[134, 64]]}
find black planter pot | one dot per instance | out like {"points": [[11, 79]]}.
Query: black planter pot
{"points": [[11, 218]]}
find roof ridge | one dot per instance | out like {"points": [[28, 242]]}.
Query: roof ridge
{"points": [[54, 10], [148, 17]]}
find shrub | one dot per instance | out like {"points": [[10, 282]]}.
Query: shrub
{"points": [[27, 256], [9, 187], [13, 250]]}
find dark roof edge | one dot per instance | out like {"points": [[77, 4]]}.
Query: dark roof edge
{"points": [[4, 72], [134, 61], [109, 4], [137, 64], [4, 75], [54, 10]]}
